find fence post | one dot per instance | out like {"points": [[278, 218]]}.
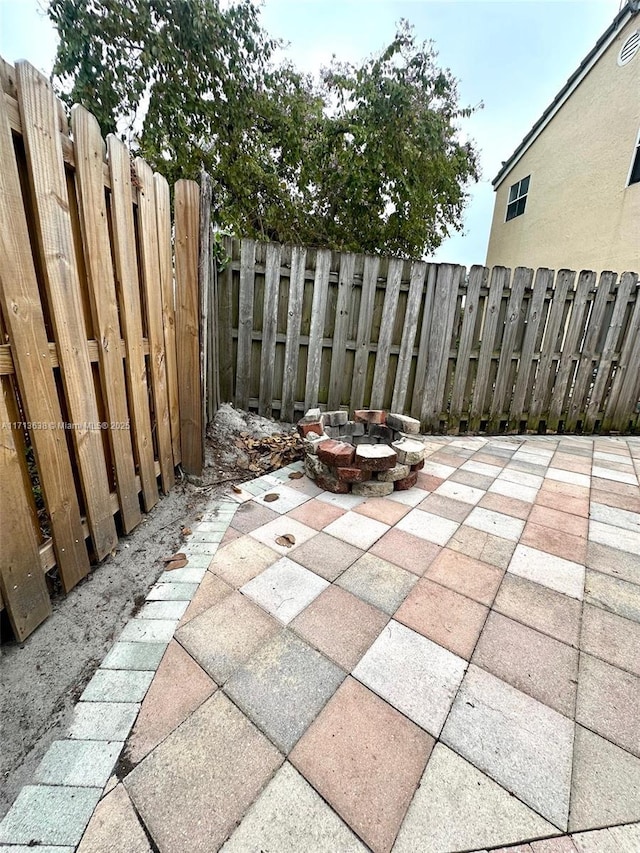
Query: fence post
{"points": [[188, 340]]}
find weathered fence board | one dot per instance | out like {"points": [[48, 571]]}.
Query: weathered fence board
{"points": [[126, 268], [492, 350], [104, 307], [150, 266], [187, 201]]}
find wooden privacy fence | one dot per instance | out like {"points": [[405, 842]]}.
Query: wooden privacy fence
{"points": [[93, 336], [490, 350]]}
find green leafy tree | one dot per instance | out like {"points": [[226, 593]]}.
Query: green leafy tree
{"points": [[368, 158]]}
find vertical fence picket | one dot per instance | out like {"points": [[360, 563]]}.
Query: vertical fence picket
{"points": [[438, 348], [623, 395], [269, 328], [292, 343], [39, 112], [104, 307], [627, 282], [550, 344], [584, 373], [517, 409], [410, 328], [345, 284], [187, 206], [423, 346], [365, 317], [478, 277], [499, 280], [225, 321], [22, 583], [245, 322], [126, 268], [316, 331], [570, 350], [391, 293], [522, 278], [150, 263], [163, 219]]}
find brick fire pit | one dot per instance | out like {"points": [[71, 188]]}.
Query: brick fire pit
{"points": [[372, 455]]}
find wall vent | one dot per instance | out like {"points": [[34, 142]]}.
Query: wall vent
{"points": [[629, 49]]}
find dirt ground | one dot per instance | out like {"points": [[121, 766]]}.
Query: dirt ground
{"points": [[42, 678]]}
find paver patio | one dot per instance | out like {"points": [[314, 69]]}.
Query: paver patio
{"points": [[451, 668]]}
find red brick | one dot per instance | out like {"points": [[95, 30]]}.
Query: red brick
{"points": [[313, 426], [418, 466], [352, 475], [336, 454], [369, 416], [375, 457], [331, 484], [408, 482]]}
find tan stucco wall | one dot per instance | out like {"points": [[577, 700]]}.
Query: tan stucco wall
{"points": [[580, 214]]}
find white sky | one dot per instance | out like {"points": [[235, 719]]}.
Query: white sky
{"points": [[514, 55]]}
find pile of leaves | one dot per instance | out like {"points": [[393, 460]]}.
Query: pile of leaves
{"points": [[261, 454]]}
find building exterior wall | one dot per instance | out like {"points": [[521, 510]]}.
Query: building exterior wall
{"points": [[580, 213]]}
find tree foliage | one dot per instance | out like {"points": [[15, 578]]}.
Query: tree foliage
{"points": [[367, 158]]}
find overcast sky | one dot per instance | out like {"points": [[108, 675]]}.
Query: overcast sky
{"points": [[513, 55]]}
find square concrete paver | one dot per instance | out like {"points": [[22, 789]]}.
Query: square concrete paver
{"points": [[409, 552], [612, 638], [413, 674], [340, 625], [251, 515], [522, 744], [47, 814], [513, 490], [461, 493], [283, 526], [558, 542], [283, 687], [114, 827], [606, 783], [290, 817], [193, 789], [365, 759], [428, 526], [179, 687], [482, 546], [114, 685], [357, 529], [496, 523], [102, 720], [287, 499], [211, 591], [444, 616], [381, 509], [284, 589], [508, 506], [562, 521], [610, 561], [539, 607], [82, 763], [316, 514], [465, 575], [454, 510], [226, 635], [242, 560], [613, 594], [378, 582], [457, 807], [564, 576], [144, 656], [616, 716], [326, 556], [534, 663], [565, 503]]}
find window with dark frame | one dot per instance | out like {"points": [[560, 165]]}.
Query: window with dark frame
{"points": [[517, 198], [634, 175]]}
